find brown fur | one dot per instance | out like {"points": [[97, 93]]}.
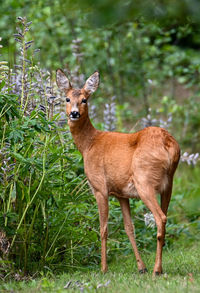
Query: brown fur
{"points": [[139, 165]]}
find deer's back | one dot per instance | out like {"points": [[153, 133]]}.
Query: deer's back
{"points": [[119, 159]]}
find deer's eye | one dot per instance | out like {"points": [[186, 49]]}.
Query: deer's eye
{"points": [[67, 100], [84, 101]]}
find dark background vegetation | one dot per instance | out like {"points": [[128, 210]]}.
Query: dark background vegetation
{"points": [[147, 53]]}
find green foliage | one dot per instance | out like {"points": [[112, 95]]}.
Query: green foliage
{"points": [[38, 196], [8, 106]]}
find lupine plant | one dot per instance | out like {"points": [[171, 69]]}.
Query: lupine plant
{"points": [[40, 170]]}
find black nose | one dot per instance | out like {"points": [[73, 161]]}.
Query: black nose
{"points": [[75, 114]]}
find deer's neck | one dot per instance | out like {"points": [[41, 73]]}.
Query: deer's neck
{"points": [[83, 133]]}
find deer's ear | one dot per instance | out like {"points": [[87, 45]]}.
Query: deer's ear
{"points": [[62, 81], [92, 83]]}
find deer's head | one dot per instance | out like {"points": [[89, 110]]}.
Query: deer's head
{"points": [[76, 99]]}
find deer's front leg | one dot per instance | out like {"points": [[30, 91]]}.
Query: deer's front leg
{"points": [[102, 202]]}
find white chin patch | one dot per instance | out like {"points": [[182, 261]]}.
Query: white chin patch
{"points": [[74, 119]]}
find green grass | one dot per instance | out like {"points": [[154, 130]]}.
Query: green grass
{"points": [[181, 274]]}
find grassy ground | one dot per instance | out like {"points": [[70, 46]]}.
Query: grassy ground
{"points": [[181, 274]]}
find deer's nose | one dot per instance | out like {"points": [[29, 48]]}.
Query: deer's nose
{"points": [[75, 114]]}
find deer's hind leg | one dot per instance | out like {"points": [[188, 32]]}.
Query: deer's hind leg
{"points": [[165, 200], [148, 195], [129, 228]]}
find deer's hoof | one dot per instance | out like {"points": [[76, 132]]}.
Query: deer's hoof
{"points": [[104, 270], [158, 273], [143, 271]]}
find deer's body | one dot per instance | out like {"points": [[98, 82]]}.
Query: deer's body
{"points": [[118, 160], [138, 165]]}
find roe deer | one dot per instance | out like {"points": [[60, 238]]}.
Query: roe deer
{"points": [[137, 165]]}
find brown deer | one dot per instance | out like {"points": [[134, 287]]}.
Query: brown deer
{"points": [[137, 165]]}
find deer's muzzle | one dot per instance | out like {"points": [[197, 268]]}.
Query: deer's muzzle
{"points": [[74, 115]]}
